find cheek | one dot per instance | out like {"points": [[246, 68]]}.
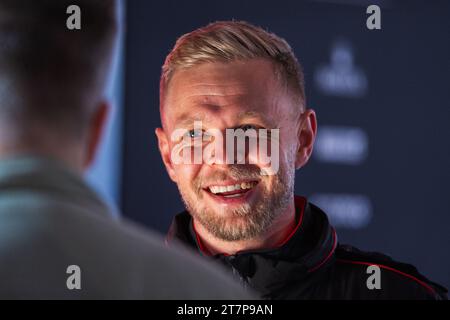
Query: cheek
{"points": [[186, 173], [274, 153], [263, 150], [287, 154], [288, 147]]}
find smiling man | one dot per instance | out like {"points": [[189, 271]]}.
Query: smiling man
{"points": [[232, 79]]}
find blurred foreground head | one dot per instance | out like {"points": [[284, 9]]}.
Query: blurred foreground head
{"points": [[52, 78]]}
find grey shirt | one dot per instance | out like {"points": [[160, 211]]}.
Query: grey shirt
{"points": [[50, 220]]}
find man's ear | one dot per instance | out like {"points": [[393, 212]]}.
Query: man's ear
{"points": [[164, 149], [306, 137], [94, 132]]}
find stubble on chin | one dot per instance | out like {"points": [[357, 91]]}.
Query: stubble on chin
{"points": [[247, 221]]}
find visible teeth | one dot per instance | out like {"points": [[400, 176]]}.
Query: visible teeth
{"points": [[246, 185], [222, 189], [233, 195]]}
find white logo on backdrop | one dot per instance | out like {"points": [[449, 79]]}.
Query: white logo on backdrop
{"points": [[341, 77], [352, 211], [344, 145]]}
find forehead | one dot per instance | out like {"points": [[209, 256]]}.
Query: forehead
{"points": [[236, 89]]}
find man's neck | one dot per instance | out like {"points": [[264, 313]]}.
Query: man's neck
{"points": [[68, 153], [280, 229]]}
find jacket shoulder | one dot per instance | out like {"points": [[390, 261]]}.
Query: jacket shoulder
{"points": [[397, 280]]}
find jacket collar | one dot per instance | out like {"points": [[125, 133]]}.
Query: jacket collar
{"points": [[44, 176], [307, 251]]}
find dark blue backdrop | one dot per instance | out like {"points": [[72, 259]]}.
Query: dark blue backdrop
{"points": [[381, 163]]}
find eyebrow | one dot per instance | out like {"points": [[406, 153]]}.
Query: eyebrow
{"points": [[187, 120], [253, 114]]}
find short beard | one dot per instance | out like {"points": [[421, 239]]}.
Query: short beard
{"points": [[247, 222]]}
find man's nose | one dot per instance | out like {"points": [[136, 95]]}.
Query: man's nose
{"points": [[230, 149]]}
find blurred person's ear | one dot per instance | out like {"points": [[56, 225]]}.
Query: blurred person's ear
{"points": [[306, 137], [164, 149], [95, 129]]}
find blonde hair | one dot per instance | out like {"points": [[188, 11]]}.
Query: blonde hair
{"points": [[226, 41]]}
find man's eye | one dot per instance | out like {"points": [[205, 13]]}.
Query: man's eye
{"points": [[193, 134], [248, 127]]}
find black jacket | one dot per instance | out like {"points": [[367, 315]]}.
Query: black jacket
{"points": [[311, 264]]}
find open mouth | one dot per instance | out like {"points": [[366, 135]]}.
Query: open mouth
{"points": [[235, 190]]}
